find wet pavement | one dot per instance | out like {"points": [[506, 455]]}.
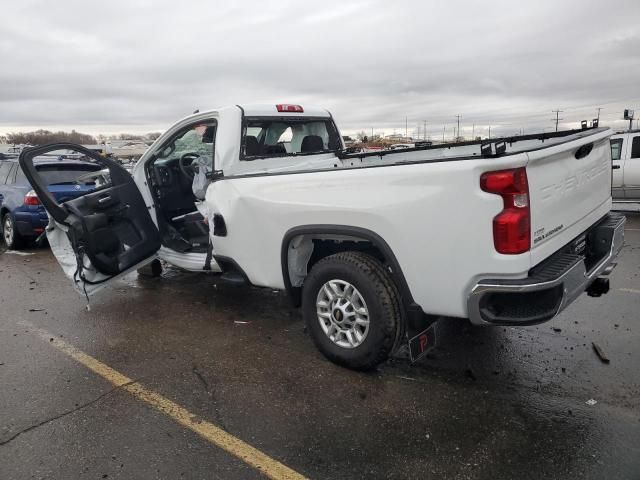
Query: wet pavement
{"points": [[486, 403]]}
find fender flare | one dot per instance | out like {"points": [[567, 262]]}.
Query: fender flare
{"points": [[411, 308]]}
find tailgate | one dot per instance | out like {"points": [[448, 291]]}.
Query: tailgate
{"points": [[569, 190]]}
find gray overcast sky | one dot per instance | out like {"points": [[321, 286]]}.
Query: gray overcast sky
{"points": [[138, 66]]}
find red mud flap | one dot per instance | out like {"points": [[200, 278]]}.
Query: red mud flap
{"points": [[422, 343]]}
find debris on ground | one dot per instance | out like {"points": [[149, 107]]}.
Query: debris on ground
{"points": [[591, 402], [601, 355], [36, 309], [14, 252], [557, 329], [240, 322]]}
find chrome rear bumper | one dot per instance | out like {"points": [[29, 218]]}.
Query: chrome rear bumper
{"points": [[552, 286]]}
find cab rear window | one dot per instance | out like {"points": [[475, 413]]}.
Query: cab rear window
{"points": [[281, 137]]}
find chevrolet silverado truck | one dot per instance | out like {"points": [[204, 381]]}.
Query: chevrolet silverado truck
{"points": [[375, 247]]}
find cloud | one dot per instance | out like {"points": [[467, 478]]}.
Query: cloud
{"points": [[140, 65]]}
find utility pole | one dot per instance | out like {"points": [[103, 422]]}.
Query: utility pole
{"points": [[489, 131], [458, 118], [406, 128], [424, 130], [443, 129], [599, 108], [473, 132], [557, 112], [372, 134]]}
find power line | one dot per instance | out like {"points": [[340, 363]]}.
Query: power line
{"points": [[557, 112]]}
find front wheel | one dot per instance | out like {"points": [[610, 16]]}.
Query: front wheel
{"points": [[352, 309], [12, 238], [153, 269]]}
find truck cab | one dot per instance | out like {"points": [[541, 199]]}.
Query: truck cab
{"points": [[170, 181], [625, 158]]}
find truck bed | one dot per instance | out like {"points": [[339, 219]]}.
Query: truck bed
{"points": [[478, 148]]}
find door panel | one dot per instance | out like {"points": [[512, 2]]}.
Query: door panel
{"points": [[632, 169], [107, 223]]}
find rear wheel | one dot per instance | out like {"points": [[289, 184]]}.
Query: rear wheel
{"points": [[352, 309], [10, 234]]}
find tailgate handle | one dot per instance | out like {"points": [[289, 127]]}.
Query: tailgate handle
{"points": [[615, 167], [584, 150]]}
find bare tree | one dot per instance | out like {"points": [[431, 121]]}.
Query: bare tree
{"points": [[361, 136], [42, 137], [152, 135]]}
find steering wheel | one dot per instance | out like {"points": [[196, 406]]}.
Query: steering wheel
{"points": [[190, 169]]}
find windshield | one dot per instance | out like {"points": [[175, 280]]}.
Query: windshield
{"points": [[61, 173]]}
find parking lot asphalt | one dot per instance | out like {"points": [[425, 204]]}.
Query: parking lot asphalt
{"points": [[532, 402]]}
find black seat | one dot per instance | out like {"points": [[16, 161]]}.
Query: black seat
{"points": [[312, 143], [252, 147]]}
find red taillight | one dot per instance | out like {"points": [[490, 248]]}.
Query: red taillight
{"points": [[512, 226], [285, 107], [31, 198]]}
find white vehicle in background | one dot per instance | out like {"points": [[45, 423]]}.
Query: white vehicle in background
{"points": [[375, 246], [401, 146], [625, 157]]}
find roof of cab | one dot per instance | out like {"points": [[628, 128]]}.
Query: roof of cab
{"points": [[270, 110]]}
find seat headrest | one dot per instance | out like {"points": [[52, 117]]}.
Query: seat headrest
{"points": [[312, 143]]}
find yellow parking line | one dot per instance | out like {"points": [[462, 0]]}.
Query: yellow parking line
{"points": [[629, 290], [210, 432]]}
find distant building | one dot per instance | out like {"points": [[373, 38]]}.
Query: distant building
{"points": [[398, 138]]}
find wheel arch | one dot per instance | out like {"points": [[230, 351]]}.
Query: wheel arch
{"points": [[350, 234]]}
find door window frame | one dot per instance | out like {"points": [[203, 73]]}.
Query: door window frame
{"points": [[117, 173], [620, 142]]}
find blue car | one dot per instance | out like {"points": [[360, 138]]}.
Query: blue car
{"points": [[23, 218]]}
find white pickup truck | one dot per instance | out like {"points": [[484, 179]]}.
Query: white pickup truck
{"points": [[375, 247]]}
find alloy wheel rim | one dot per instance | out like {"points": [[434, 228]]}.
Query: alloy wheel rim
{"points": [[342, 313], [7, 231]]}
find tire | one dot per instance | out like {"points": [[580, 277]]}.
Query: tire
{"points": [[153, 269], [12, 238], [359, 283]]}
